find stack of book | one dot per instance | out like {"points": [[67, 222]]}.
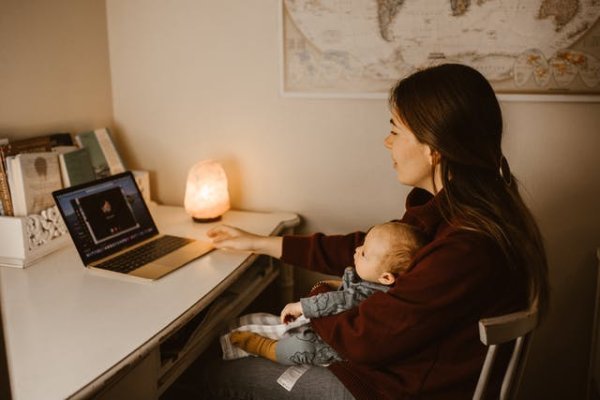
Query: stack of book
{"points": [[31, 169]]}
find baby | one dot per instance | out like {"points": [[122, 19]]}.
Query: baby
{"points": [[387, 251]]}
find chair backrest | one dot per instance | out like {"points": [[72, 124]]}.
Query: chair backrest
{"points": [[512, 330]]}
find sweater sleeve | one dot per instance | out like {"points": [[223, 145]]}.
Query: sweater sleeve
{"points": [[321, 253], [449, 280]]}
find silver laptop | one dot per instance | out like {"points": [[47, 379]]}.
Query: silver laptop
{"points": [[114, 232]]}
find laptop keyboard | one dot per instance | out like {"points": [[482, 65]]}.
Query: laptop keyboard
{"points": [[144, 254]]}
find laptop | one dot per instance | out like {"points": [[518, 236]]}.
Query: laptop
{"points": [[114, 232]]}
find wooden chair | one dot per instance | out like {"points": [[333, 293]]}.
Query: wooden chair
{"points": [[512, 331]]}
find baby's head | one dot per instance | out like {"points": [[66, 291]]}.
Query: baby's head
{"points": [[387, 251]]}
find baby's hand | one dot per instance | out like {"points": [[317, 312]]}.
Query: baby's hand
{"points": [[290, 312]]}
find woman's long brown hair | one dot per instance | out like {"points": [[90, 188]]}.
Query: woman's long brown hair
{"points": [[453, 109]]}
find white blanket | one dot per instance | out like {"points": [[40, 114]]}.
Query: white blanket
{"points": [[264, 324]]}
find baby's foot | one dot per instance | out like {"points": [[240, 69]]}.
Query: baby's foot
{"points": [[254, 344]]}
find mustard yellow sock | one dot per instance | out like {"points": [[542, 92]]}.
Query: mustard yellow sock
{"points": [[254, 344]]}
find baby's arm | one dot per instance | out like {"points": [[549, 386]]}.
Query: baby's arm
{"points": [[349, 295], [330, 303]]}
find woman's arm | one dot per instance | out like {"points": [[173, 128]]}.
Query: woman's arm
{"points": [[329, 254], [318, 252], [228, 237]]}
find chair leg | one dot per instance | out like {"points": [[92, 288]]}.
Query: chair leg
{"points": [[485, 373], [508, 381]]}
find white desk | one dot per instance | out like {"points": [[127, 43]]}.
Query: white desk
{"points": [[69, 332]]}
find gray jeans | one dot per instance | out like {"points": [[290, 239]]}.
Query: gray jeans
{"points": [[255, 378], [305, 347]]}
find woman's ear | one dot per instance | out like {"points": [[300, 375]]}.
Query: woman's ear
{"points": [[387, 278], [434, 157]]}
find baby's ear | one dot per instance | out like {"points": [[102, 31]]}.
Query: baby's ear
{"points": [[387, 278]]}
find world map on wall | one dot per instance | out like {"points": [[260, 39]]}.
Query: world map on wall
{"points": [[364, 46]]}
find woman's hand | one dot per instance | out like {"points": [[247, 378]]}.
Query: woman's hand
{"points": [[290, 312], [231, 238], [228, 237]]}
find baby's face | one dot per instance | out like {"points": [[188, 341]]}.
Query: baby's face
{"points": [[368, 257]]}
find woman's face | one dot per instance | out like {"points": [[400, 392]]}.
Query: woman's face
{"points": [[412, 159]]}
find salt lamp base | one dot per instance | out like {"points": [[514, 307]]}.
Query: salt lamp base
{"points": [[206, 220]]}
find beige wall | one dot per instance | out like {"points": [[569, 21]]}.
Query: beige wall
{"points": [[54, 74], [200, 79]]}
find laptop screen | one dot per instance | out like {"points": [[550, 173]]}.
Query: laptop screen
{"points": [[105, 216]]}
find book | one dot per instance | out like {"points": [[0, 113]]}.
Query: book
{"points": [[76, 167], [142, 178], [5, 200], [64, 149], [38, 144], [32, 178], [103, 153]]}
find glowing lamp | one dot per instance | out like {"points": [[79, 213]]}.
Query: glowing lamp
{"points": [[206, 194]]}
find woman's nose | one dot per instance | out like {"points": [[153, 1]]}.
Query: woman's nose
{"points": [[388, 141]]}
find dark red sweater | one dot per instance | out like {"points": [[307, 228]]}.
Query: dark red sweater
{"points": [[420, 339]]}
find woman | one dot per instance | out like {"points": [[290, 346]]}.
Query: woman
{"points": [[485, 258]]}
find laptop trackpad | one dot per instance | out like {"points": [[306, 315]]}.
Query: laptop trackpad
{"points": [[174, 260]]}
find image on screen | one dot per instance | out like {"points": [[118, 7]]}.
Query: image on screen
{"points": [[107, 214]]}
